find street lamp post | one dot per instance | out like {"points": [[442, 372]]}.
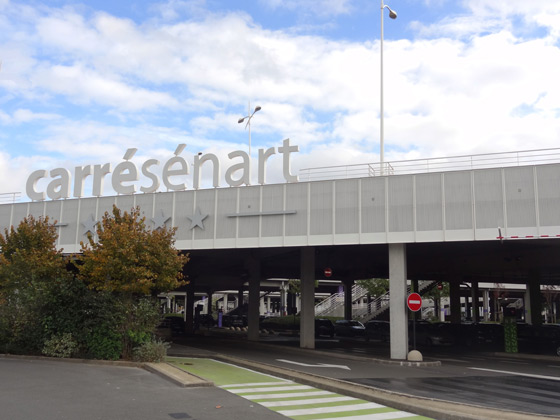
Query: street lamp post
{"points": [[248, 118], [392, 15]]}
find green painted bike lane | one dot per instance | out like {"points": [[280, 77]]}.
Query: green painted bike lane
{"points": [[293, 400]]}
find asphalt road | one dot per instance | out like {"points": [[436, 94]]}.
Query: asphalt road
{"points": [[502, 382], [58, 390]]}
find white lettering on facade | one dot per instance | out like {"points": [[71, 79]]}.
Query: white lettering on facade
{"points": [[126, 174]]}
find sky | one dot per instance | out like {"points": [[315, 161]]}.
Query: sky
{"points": [[81, 82]]}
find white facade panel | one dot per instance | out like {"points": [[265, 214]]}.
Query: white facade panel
{"points": [[453, 206]]}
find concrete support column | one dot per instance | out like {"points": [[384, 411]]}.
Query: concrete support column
{"points": [[485, 305], [398, 310], [307, 318], [455, 300], [348, 298], [475, 303], [209, 308], [240, 297], [225, 303], [283, 299], [254, 266], [262, 308], [268, 305], [189, 310], [185, 309], [533, 306]]}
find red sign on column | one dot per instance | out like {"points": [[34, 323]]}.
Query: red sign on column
{"points": [[328, 272], [414, 302]]}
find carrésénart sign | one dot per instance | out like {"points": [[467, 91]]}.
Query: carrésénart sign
{"points": [[126, 175]]}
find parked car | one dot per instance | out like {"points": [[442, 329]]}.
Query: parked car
{"points": [[541, 339], [378, 330], [428, 334], [234, 321], [346, 328], [324, 327]]}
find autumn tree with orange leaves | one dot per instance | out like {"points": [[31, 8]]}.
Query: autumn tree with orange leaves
{"points": [[134, 263], [129, 258]]}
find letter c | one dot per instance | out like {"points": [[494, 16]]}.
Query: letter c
{"points": [[30, 186]]}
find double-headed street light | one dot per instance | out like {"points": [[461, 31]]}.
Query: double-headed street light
{"points": [[248, 118], [392, 15]]}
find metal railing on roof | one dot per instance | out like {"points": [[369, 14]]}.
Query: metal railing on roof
{"points": [[8, 198], [430, 165]]}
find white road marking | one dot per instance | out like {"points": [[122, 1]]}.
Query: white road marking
{"points": [[529, 375], [377, 416], [285, 395], [256, 384], [322, 365], [304, 402], [335, 409], [272, 388]]}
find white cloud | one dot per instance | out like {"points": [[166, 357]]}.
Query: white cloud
{"points": [[322, 8], [473, 85]]}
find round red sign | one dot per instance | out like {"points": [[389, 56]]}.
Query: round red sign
{"points": [[414, 302], [328, 272]]}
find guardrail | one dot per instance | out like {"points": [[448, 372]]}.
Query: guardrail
{"points": [[8, 198], [440, 164]]}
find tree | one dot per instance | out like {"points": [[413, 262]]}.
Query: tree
{"points": [[375, 287], [28, 255], [129, 258], [441, 290], [29, 265], [133, 263]]}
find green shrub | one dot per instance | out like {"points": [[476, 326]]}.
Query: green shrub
{"points": [[151, 351], [104, 343], [60, 346]]}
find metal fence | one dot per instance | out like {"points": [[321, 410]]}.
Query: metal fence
{"points": [[8, 198], [441, 164]]}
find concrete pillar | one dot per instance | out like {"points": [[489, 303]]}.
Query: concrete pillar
{"points": [[283, 299], [189, 310], [348, 298], [225, 303], [485, 305], [254, 266], [455, 300], [475, 303], [185, 309], [262, 308], [209, 308], [398, 310], [307, 318], [268, 305], [240, 297], [533, 305]]}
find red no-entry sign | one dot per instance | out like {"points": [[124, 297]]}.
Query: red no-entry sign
{"points": [[414, 302], [328, 272]]}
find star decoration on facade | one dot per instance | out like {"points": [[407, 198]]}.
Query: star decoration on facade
{"points": [[89, 225], [160, 219], [197, 218]]}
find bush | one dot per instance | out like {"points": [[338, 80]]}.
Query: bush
{"points": [[151, 351], [104, 344], [60, 346]]}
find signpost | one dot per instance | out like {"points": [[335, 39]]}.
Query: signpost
{"points": [[414, 303]]}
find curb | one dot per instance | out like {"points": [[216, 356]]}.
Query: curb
{"points": [[176, 375]]}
